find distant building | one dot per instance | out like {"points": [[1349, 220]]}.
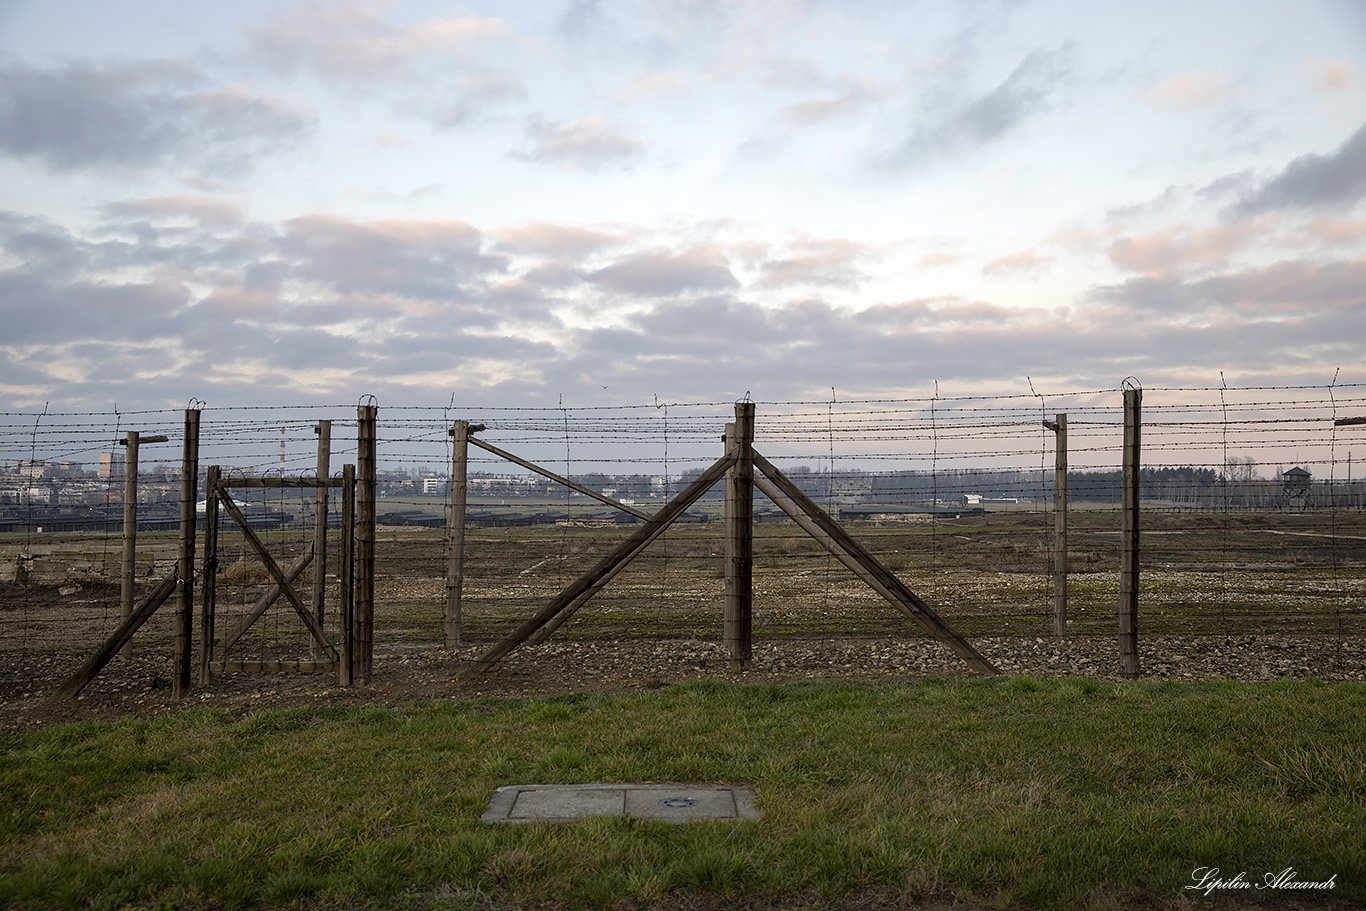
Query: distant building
{"points": [[111, 465], [1296, 482]]}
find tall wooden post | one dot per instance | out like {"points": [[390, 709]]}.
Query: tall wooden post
{"points": [[347, 576], [1059, 428], [740, 537], [130, 529], [365, 542], [455, 547], [1129, 543], [184, 611], [324, 431], [208, 596], [130, 523]]}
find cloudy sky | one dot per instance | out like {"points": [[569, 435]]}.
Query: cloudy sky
{"points": [[608, 201]]}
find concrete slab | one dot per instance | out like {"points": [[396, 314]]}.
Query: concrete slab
{"points": [[668, 802]]}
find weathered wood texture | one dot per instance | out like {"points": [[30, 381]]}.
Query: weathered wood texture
{"points": [[184, 612], [208, 595], [280, 666], [455, 532], [739, 547], [1060, 526], [364, 635], [127, 581], [324, 468], [347, 574], [1129, 535]]}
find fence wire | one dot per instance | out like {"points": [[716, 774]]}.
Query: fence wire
{"points": [[1252, 503]]}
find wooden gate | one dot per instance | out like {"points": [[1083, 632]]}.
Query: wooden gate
{"points": [[324, 655]]}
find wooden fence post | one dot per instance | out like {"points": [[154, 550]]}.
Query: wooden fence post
{"points": [[1059, 428], [365, 542], [346, 573], [455, 546], [1129, 539], [324, 431], [130, 529], [128, 582], [208, 598], [184, 611], [740, 537]]}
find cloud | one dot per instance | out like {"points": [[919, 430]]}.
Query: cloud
{"points": [[436, 259], [1182, 249], [353, 42], [830, 263], [583, 19], [1329, 232], [468, 99], [1190, 91], [819, 109], [324, 307], [201, 209], [1021, 262], [936, 258], [548, 239], [435, 65], [1325, 182], [651, 83], [660, 273], [1028, 90], [1331, 76], [42, 311], [140, 116], [389, 138], [590, 144], [1290, 293]]}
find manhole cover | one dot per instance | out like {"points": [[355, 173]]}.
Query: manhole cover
{"points": [[677, 803]]}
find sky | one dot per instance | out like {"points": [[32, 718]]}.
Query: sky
{"points": [[597, 202]]}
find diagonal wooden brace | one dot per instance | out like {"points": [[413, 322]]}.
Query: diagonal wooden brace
{"points": [[261, 606], [277, 574], [574, 594], [819, 524], [121, 637]]}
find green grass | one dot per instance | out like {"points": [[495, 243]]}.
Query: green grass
{"points": [[1066, 793]]}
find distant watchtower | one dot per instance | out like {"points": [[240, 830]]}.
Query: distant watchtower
{"points": [[1295, 485]]}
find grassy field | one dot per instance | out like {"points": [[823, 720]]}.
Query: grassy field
{"points": [[1003, 792]]}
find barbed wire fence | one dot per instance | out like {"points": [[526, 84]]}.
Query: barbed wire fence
{"points": [[1253, 505]]}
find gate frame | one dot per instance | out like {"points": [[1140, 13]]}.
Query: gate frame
{"points": [[214, 656]]}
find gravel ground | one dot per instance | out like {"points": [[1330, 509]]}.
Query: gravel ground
{"points": [[405, 672]]}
